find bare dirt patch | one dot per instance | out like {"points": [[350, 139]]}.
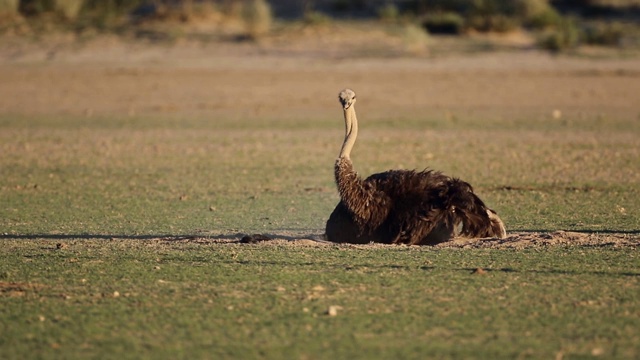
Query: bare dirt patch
{"points": [[17, 289], [299, 77], [556, 238], [517, 241]]}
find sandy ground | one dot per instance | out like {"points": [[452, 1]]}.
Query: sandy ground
{"points": [[516, 241], [300, 78]]}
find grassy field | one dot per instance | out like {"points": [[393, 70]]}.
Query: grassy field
{"points": [[187, 177], [198, 299], [119, 240]]}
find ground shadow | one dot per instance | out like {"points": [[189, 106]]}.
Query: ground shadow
{"points": [[482, 271], [164, 237], [167, 237], [585, 231]]}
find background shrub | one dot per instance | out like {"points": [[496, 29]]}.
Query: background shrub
{"points": [[9, 7], [257, 17], [603, 34], [36, 7], [388, 12], [68, 9], [564, 37], [537, 14]]}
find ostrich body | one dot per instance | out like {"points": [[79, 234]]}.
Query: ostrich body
{"points": [[402, 206]]}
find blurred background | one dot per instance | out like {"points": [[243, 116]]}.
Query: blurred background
{"points": [[556, 25]]}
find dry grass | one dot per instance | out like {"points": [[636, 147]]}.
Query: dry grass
{"points": [[69, 9], [9, 7], [257, 17]]}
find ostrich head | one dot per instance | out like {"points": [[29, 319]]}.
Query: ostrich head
{"points": [[347, 98]]}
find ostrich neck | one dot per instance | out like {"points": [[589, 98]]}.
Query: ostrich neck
{"points": [[351, 132], [365, 203]]}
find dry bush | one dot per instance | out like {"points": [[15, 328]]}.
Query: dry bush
{"points": [[9, 7], [531, 8], [232, 8], [489, 15], [604, 34], [388, 12], [537, 13], [415, 38], [69, 9], [493, 23], [258, 17], [313, 17], [565, 36]]}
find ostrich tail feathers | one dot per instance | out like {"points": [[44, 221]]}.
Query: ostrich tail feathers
{"points": [[497, 226], [469, 210]]}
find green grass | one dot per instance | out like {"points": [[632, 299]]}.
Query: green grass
{"points": [[121, 194], [184, 176], [168, 299]]}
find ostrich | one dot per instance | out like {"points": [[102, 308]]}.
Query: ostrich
{"points": [[402, 206]]}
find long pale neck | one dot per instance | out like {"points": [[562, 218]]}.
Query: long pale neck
{"points": [[351, 132], [363, 201]]}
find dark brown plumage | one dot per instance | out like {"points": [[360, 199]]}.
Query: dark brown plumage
{"points": [[403, 206]]}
